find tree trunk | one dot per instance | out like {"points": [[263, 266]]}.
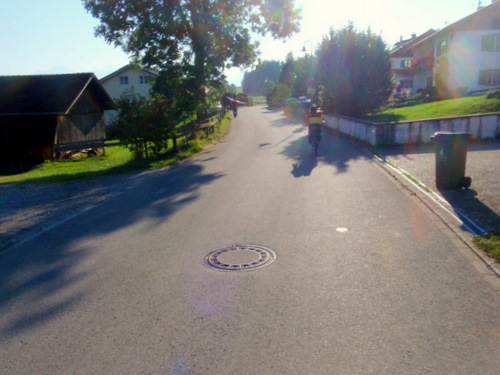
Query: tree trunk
{"points": [[174, 141], [200, 44]]}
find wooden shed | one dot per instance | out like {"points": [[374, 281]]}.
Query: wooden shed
{"points": [[41, 115]]}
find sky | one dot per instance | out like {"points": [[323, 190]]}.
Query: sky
{"points": [[57, 36]]}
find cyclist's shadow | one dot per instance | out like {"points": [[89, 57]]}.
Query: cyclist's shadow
{"points": [[304, 166]]}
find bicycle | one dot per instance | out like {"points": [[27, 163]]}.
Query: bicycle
{"points": [[315, 137], [314, 122]]}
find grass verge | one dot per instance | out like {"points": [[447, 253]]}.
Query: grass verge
{"points": [[118, 160], [472, 105], [490, 244]]}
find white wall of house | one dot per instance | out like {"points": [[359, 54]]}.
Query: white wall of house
{"points": [[130, 79], [406, 80], [467, 60], [420, 80]]}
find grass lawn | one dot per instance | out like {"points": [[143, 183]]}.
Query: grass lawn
{"points": [[118, 159], [447, 108]]}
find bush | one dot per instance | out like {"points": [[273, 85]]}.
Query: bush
{"points": [[293, 109], [111, 132], [142, 125], [462, 91], [279, 93], [493, 95]]}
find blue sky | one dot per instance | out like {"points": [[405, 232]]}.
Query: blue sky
{"points": [[57, 36]]}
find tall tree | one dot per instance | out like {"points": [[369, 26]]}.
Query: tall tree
{"points": [[207, 35], [304, 68], [287, 69], [355, 72], [254, 82], [177, 100]]}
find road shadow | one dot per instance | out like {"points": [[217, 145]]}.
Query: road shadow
{"points": [[43, 281], [286, 122], [335, 150], [271, 110], [474, 213]]}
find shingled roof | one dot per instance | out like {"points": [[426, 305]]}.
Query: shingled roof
{"points": [[53, 94]]}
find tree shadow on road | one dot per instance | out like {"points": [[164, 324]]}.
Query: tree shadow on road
{"points": [[267, 110], [40, 282], [285, 122], [334, 150]]}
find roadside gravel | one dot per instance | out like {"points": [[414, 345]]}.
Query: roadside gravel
{"points": [[26, 210]]}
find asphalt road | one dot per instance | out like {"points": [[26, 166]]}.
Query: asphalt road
{"points": [[365, 280]]}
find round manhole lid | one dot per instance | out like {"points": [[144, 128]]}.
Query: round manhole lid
{"points": [[239, 258]]}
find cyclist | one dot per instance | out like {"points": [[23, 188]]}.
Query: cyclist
{"points": [[314, 121]]}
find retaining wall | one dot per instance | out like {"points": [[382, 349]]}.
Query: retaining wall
{"points": [[414, 132]]}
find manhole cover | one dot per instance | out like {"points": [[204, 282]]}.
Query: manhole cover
{"points": [[239, 258]]}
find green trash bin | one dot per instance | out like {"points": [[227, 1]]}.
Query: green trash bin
{"points": [[451, 154]]}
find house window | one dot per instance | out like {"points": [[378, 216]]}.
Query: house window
{"points": [[124, 80], [406, 83], [143, 80], [441, 48], [429, 83], [491, 42], [489, 77], [405, 63]]}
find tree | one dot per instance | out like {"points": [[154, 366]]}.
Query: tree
{"points": [[354, 71], [260, 80], [287, 71], [140, 124], [266, 87], [443, 90], [278, 95], [303, 71], [206, 35], [177, 100]]}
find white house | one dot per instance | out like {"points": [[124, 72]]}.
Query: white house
{"points": [[402, 59], [465, 55], [124, 79]]}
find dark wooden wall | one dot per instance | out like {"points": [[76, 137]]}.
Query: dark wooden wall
{"points": [[25, 141], [83, 125]]}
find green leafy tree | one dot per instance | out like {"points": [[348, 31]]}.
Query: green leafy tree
{"points": [[266, 87], [138, 126], [287, 71], [174, 86], [159, 123], [206, 35], [265, 74], [443, 90], [355, 72], [278, 95], [303, 71]]}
